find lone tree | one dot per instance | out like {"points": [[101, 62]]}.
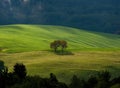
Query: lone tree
{"points": [[54, 45], [58, 43]]}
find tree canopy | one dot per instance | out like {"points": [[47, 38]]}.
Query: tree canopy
{"points": [[58, 43]]}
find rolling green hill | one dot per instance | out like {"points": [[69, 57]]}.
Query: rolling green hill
{"points": [[21, 38], [36, 39]]}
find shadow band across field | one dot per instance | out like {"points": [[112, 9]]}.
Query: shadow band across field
{"points": [[64, 53], [61, 53]]}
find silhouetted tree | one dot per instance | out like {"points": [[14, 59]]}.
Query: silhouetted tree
{"points": [[104, 75], [20, 70], [2, 80], [3, 74], [53, 83], [92, 81], [54, 45], [103, 79], [13, 80], [2, 65], [53, 78], [77, 83]]}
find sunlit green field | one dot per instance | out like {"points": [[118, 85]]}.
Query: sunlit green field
{"points": [[29, 44], [22, 38]]}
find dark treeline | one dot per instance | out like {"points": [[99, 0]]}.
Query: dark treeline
{"points": [[93, 15], [19, 79]]}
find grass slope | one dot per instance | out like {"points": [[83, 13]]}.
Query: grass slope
{"points": [[21, 38], [82, 63]]}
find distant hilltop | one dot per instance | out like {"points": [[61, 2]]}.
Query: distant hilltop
{"points": [[95, 15]]}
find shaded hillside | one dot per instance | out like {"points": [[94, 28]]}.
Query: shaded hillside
{"points": [[95, 15], [19, 38]]}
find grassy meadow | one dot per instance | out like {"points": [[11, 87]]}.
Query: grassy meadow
{"points": [[29, 44], [81, 63], [22, 38]]}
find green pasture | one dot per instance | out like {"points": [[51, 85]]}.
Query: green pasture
{"points": [[22, 38], [82, 63], [90, 51]]}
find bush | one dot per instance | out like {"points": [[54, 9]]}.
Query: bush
{"points": [[20, 70]]}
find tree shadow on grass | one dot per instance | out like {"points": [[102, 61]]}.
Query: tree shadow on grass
{"points": [[62, 53]]}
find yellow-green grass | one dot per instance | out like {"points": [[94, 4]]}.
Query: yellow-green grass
{"points": [[82, 63], [22, 38]]}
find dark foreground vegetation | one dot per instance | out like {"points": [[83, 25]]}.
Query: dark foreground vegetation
{"points": [[19, 79]]}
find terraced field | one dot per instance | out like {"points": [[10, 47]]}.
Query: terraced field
{"points": [[21, 38]]}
